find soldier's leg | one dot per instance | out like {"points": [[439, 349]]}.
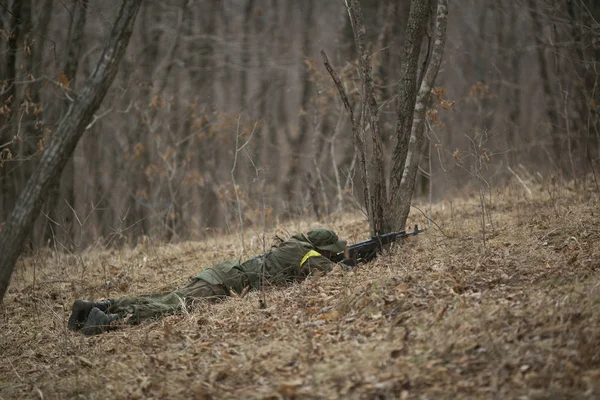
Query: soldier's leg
{"points": [[139, 306], [136, 307], [143, 307], [80, 311], [199, 289], [149, 306]]}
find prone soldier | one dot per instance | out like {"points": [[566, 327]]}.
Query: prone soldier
{"points": [[292, 260]]}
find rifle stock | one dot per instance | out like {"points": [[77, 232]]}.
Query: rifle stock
{"points": [[367, 250]]}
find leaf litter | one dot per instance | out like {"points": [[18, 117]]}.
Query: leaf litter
{"points": [[442, 316]]}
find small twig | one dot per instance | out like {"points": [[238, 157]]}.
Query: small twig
{"points": [[432, 221], [546, 235], [338, 85], [262, 301], [19, 125], [55, 281], [14, 369], [385, 103], [237, 198], [425, 173], [235, 158], [359, 141], [74, 213], [6, 144], [125, 111], [50, 219], [521, 182], [97, 117]]}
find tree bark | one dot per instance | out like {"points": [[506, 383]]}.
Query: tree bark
{"points": [[245, 55], [33, 123], [387, 205], [33, 65], [407, 186], [8, 99], [70, 130], [378, 201], [551, 109], [139, 216], [75, 41], [407, 89], [63, 190], [298, 143], [514, 113]]}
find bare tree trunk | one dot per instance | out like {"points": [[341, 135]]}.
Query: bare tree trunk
{"points": [[30, 101], [23, 105], [387, 209], [266, 82], [75, 42], [139, 213], [245, 55], [407, 89], [298, 143], [70, 130], [14, 25], [172, 219], [34, 67], [378, 201], [515, 97], [203, 57], [418, 127], [586, 118], [8, 99], [37, 124], [393, 15], [62, 195], [550, 107], [280, 103], [225, 75]]}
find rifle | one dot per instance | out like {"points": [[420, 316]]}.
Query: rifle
{"points": [[367, 250]]}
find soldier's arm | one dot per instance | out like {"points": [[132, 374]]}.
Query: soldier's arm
{"points": [[316, 264]]}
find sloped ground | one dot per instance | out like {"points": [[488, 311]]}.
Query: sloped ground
{"points": [[441, 317]]}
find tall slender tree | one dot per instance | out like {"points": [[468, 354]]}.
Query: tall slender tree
{"points": [[80, 113], [387, 206]]}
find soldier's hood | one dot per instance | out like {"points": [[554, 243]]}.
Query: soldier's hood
{"points": [[301, 237], [322, 239]]}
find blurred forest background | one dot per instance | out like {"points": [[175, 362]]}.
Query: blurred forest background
{"points": [[223, 106]]}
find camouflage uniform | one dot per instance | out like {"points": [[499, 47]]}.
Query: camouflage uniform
{"points": [[291, 261], [149, 306]]}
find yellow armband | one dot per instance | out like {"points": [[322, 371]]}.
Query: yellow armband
{"points": [[308, 255]]}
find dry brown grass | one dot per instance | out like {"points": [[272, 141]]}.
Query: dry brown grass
{"points": [[441, 317]]}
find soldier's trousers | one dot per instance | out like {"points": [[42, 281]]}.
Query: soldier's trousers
{"points": [[155, 305]]}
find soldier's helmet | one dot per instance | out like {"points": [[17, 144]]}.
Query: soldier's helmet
{"points": [[325, 239]]}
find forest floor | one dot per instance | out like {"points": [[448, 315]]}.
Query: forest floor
{"points": [[445, 316]]}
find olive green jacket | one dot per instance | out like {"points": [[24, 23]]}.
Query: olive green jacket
{"points": [[292, 260]]}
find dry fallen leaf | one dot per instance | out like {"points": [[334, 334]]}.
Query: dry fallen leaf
{"points": [[329, 316], [289, 388], [62, 78]]}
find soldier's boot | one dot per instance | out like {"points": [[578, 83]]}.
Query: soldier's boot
{"points": [[80, 311], [98, 321]]}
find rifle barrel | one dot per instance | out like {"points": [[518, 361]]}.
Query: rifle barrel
{"points": [[373, 244]]}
